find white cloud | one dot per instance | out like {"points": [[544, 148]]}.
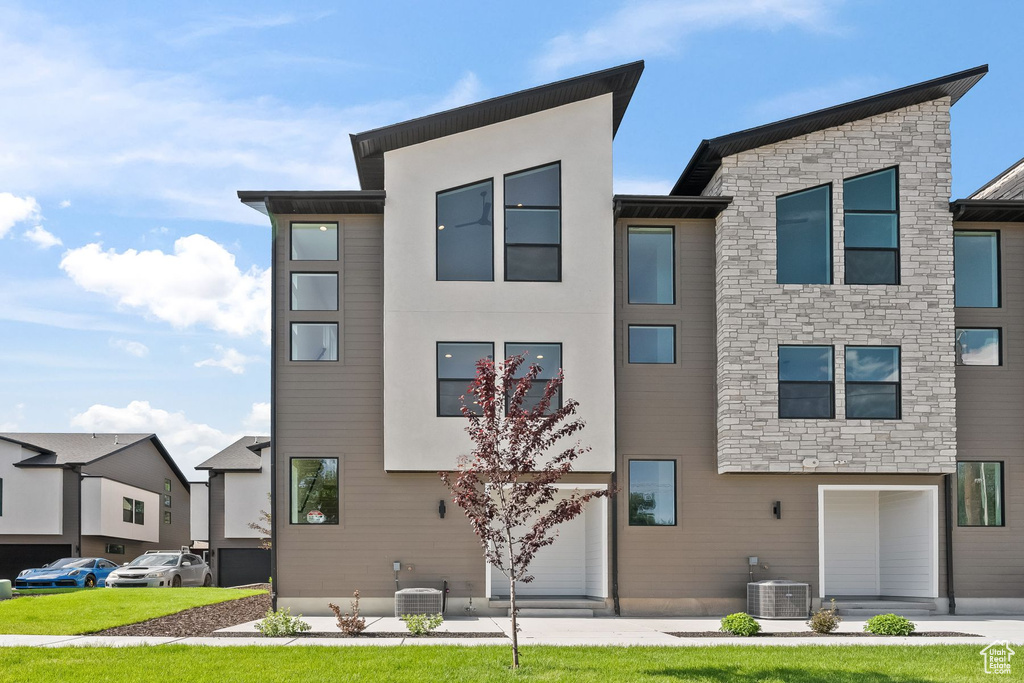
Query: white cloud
{"points": [[258, 420], [65, 203], [41, 237], [14, 210], [643, 185], [199, 284], [465, 91], [137, 349], [189, 443], [10, 421], [215, 26], [230, 359], [807, 100], [655, 27]]}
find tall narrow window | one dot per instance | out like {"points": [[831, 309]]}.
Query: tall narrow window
{"points": [[314, 491], [548, 357], [873, 382], [167, 500], [978, 346], [533, 225], [314, 291], [456, 370], [140, 512], [127, 510], [652, 344], [167, 516], [465, 232], [315, 341], [976, 269], [803, 231], [314, 241], [980, 493], [806, 382], [167, 485], [652, 492], [872, 235], [651, 265]]}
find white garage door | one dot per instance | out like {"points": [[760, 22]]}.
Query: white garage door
{"points": [[558, 569]]}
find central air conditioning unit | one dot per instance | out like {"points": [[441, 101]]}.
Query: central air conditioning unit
{"points": [[418, 601], [778, 599]]}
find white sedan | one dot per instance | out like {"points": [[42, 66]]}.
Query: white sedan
{"points": [[159, 568]]}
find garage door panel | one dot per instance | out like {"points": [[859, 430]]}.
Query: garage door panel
{"points": [[241, 566], [15, 557]]}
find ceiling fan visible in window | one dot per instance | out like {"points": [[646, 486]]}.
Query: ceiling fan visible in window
{"points": [[485, 213]]}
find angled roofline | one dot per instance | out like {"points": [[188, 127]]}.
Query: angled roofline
{"points": [[996, 179], [708, 156], [270, 202], [988, 210], [369, 147], [32, 447], [160, 449], [647, 206], [259, 446]]}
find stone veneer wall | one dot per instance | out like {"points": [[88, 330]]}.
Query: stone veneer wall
{"points": [[756, 315]]}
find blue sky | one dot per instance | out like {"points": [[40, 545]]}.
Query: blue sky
{"points": [[133, 285]]}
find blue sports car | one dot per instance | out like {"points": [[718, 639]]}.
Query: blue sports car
{"points": [[68, 572]]}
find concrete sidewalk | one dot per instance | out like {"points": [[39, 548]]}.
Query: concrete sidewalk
{"points": [[623, 631]]}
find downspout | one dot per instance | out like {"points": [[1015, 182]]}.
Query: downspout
{"points": [[78, 472], [209, 524], [950, 593], [275, 584], [615, 543]]}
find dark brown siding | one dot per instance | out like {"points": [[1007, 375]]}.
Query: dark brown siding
{"points": [[990, 426], [668, 412]]}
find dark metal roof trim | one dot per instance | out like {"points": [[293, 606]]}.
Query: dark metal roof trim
{"points": [[665, 206], [988, 210], [257, 447], [314, 201], [708, 157], [368, 147]]}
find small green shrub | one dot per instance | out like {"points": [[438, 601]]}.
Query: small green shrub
{"points": [[740, 624], [825, 620], [422, 624], [281, 623], [889, 625]]}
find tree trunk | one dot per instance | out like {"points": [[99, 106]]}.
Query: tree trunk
{"points": [[512, 607]]}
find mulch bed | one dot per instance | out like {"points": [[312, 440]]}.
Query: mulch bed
{"points": [[812, 634], [375, 634], [199, 621]]}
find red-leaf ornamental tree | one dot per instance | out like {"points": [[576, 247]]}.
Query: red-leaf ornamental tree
{"points": [[506, 484]]}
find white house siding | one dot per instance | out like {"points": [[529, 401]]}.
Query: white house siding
{"points": [[33, 497], [245, 495], [102, 511]]}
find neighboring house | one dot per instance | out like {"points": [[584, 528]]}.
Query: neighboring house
{"points": [[87, 495], [237, 492], [781, 358]]}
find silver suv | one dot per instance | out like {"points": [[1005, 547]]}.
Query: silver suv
{"points": [[162, 568]]}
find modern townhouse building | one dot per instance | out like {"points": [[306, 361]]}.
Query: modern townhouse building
{"points": [[235, 496], [799, 363], [87, 495]]}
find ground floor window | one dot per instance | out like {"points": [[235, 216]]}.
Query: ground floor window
{"points": [[314, 491], [114, 549], [652, 492], [980, 493]]}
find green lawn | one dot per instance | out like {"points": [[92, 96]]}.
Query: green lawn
{"points": [[717, 664], [94, 610]]}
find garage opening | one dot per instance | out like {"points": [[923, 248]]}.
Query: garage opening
{"points": [[15, 557], [242, 566], [878, 541]]}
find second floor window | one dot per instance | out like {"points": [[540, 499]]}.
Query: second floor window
{"points": [[651, 254], [978, 346], [314, 241], [315, 341], [652, 344], [456, 370], [803, 232], [133, 511], [806, 382], [314, 291], [873, 382], [546, 356], [871, 229], [465, 232], [533, 225], [976, 268]]}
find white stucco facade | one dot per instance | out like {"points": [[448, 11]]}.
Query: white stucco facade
{"points": [[577, 312], [33, 497], [245, 496], [102, 510], [199, 511]]}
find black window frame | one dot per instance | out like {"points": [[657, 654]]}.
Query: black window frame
{"points": [[504, 216], [561, 358], [291, 340], [437, 374], [337, 242], [831, 235], [167, 485], [999, 336], [140, 512], [675, 491], [114, 549], [999, 266], [780, 381], [629, 293], [291, 481], [167, 500], [437, 250], [291, 285], [898, 385], [1002, 494], [896, 212], [675, 343], [130, 510], [167, 516]]}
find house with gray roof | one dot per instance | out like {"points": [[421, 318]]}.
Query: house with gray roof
{"points": [[87, 495]]}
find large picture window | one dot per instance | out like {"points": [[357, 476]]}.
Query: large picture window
{"points": [[976, 269], [979, 493], [652, 344], [314, 490], [873, 382], [803, 231], [465, 232], [456, 370], [315, 341], [871, 229], [548, 357], [652, 492], [314, 291], [651, 265], [806, 382], [314, 241], [533, 225], [979, 346]]}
